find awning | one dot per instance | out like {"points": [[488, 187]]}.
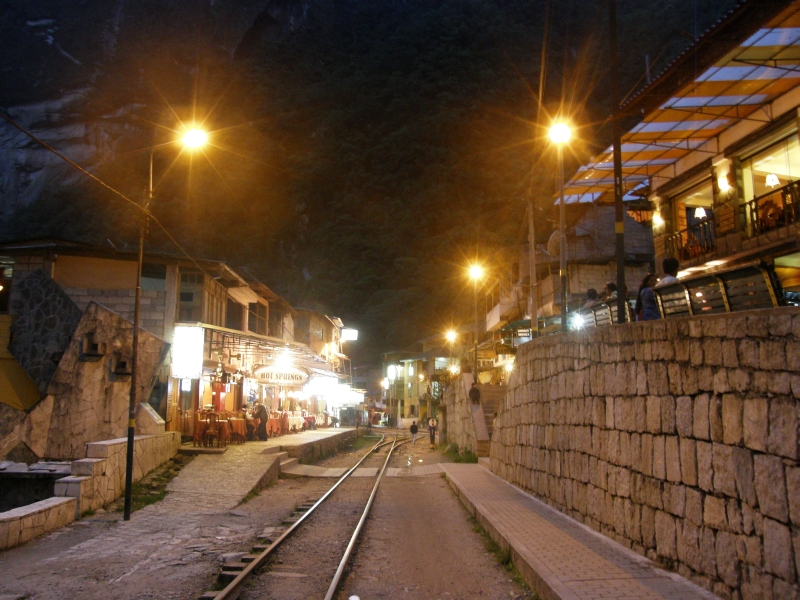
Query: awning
{"points": [[737, 86]]}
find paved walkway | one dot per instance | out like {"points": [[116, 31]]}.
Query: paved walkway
{"points": [[170, 539], [557, 556]]}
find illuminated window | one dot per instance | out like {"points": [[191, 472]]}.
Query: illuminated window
{"points": [[771, 168]]}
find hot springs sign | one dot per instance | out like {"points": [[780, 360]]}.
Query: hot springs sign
{"points": [[284, 376]]}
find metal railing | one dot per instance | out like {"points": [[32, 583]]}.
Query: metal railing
{"points": [[693, 241], [771, 211]]}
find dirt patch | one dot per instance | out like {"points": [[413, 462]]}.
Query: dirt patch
{"points": [[152, 487]]}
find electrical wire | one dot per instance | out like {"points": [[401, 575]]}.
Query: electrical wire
{"points": [[144, 210]]}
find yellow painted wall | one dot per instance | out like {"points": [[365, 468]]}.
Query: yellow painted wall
{"points": [[95, 273]]}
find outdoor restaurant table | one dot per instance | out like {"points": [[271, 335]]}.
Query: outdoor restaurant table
{"points": [[311, 421], [238, 426], [274, 426], [296, 423], [224, 430]]}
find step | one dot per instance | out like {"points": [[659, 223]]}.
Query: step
{"points": [[483, 448], [208, 595], [248, 558], [229, 575], [289, 462], [272, 450], [235, 566]]}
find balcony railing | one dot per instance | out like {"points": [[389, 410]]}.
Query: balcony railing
{"points": [[771, 211], [693, 241]]}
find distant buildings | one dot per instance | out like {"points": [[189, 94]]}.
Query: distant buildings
{"points": [[215, 337]]}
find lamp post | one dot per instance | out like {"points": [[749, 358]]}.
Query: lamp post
{"points": [[192, 139], [559, 135], [450, 336], [476, 274]]}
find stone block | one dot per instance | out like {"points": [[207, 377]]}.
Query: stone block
{"points": [[755, 423], [648, 527], [782, 438], [748, 354], [92, 467], [647, 455], [732, 407], [730, 358], [715, 430], [793, 494], [674, 499], [659, 457], [700, 417], [724, 477], [665, 535], [705, 470], [772, 355], [688, 544], [778, 550], [714, 513], [707, 552], [771, 487], [683, 415], [728, 567], [694, 506], [688, 450], [712, 351], [743, 473], [653, 414], [668, 414], [672, 456]]}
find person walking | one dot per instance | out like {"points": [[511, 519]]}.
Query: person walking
{"points": [[432, 423], [414, 430], [474, 394]]}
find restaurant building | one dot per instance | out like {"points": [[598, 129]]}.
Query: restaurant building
{"points": [[230, 338], [716, 153]]}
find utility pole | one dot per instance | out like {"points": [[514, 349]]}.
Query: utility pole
{"points": [[619, 209], [533, 300]]}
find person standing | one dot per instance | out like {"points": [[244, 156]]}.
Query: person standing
{"points": [[646, 304], [414, 430], [474, 394], [670, 266], [432, 423], [262, 416]]}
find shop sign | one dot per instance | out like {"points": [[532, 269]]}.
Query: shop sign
{"points": [[274, 375]]}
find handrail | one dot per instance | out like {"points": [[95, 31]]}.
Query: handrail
{"points": [[693, 241], [761, 214]]}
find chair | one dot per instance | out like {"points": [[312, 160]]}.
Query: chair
{"points": [[212, 430]]}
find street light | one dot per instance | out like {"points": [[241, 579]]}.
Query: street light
{"points": [[476, 274], [193, 138], [559, 135]]}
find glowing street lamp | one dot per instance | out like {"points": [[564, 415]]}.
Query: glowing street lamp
{"points": [[193, 138], [560, 134]]}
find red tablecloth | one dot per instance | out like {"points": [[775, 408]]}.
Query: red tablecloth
{"points": [[224, 431]]}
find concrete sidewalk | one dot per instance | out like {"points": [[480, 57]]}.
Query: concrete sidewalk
{"points": [[557, 556]]}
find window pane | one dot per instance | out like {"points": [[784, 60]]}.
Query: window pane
{"points": [[773, 168]]}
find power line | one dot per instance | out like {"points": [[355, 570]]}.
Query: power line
{"points": [[143, 209]]}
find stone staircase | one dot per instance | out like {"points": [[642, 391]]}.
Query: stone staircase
{"points": [[283, 458], [492, 397]]}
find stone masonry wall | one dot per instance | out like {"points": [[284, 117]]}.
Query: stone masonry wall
{"points": [[460, 424], [122, 302], [676, 438]]}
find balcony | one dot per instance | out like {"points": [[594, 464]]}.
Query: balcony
{"points": [[771, 211], [694, 241]]}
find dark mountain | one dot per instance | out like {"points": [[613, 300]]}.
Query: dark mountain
{"points": [[364, 150]]}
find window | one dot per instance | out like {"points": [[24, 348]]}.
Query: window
{"points": [[190, 304], [234, 317], [771, 168], [257, 318]]}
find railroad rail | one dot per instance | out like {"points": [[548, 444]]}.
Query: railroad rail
{"points": [[252, 562]]}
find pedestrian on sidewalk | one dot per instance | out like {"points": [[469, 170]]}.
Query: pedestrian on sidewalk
{"points": [[414, 430], [432, 423], [474, 394]]}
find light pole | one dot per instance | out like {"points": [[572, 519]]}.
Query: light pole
{"points": [[192, 139], [476, 274], [451, 336], [559, 135], [391, 375]]}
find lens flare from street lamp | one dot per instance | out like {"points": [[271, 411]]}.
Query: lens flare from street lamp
{"points": [[476, 272], [560, 133], [451, 336], [194, 138]]}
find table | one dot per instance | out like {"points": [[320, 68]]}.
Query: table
{"points": [[274, 426], [239, 427], [224, 431]]}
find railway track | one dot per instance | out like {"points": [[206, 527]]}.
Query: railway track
{"points": [[235, 576]]}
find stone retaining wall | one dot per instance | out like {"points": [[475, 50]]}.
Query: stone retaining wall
{"points": [[100, 477], [676, 438], [318, 449], [21, 525], [460, 424]]}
